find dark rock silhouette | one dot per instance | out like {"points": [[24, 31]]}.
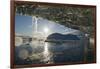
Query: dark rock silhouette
{"points": [[58, 36]]}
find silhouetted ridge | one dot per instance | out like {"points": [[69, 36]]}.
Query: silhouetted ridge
{"points": [[58, 36]]}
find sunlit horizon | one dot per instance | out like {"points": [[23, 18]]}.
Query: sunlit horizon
{"points": [[24, 26]]}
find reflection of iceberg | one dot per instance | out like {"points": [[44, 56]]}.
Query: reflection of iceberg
{"points": [[36, 43], [23, 54], [23, 51]]}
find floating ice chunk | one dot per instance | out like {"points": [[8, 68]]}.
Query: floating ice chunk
{"points": [[18, 41]]}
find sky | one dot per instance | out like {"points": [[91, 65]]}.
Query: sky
{"points": [[23, 25]]}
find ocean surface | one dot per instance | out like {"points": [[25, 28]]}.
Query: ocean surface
{"points": [[49, 53]]}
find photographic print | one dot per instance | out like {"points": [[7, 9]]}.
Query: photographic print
{"points": [[44, 34]]}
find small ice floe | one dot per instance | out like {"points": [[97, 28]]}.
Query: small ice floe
{"points": [[23, 54], [18, 41]]}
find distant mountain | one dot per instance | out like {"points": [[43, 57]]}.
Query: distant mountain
{"points": [[17, 34], [58, 36], [22, 35]]}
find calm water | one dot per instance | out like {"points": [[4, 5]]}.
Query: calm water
{"points": [[48, 53]]}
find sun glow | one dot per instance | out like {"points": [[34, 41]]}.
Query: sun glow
{"points": [[46, 31]]}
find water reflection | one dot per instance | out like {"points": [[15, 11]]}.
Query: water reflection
{"points": [[46, 53]]}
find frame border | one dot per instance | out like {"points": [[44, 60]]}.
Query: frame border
{"points": [[12, 32]]}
